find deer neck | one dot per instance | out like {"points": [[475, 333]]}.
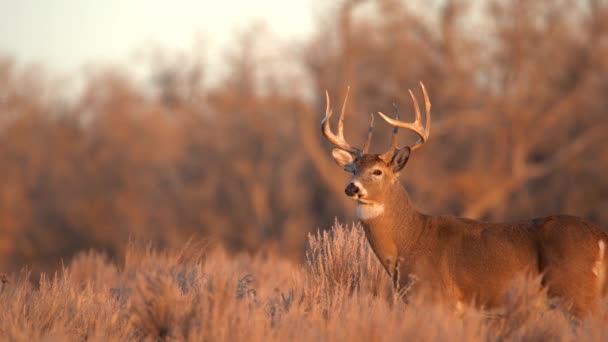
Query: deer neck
{"points": [[393, 222]]}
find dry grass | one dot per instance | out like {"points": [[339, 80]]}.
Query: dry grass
{"points": [[205, 294]]}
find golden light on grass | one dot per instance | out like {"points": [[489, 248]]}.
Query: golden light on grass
{"points": [[339, 293]]}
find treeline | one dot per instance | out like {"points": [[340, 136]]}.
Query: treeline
{"points": [[520, 129]]}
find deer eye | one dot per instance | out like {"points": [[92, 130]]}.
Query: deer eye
{"points": [[377, 172]]}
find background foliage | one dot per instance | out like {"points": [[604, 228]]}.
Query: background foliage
{"points": [[519, 130]]}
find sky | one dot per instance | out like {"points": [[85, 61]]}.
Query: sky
{"points": [[65, 35]]}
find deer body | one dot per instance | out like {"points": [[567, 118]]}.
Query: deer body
{"points": [[461, 260], [468, 261]]}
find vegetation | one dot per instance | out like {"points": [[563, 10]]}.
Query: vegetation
{"points": [[340, 293]]}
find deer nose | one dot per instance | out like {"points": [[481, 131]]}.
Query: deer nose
{"points": [[351, 189]]}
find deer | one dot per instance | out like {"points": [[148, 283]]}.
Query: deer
{"points": [[461, 260]]}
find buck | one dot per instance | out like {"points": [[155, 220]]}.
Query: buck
{"points": [[459, 259]]}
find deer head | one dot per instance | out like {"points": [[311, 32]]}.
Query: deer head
{"points": [[374, 174]]}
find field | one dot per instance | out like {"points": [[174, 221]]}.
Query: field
{"points": [[171, 198], [201, 293]]}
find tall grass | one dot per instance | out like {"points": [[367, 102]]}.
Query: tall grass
{"points": [[203, 293]]}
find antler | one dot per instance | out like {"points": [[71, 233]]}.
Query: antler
{"points": [[338, 139], [368, 142], [388, 155], [422, 131]]}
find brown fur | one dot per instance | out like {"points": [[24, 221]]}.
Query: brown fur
{"points": [[463, 260]]}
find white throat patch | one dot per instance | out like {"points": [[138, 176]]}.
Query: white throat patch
{"points": [[369, 211]]}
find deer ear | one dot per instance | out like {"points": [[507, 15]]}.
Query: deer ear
{"points": [[400, 158], [343, 158]]}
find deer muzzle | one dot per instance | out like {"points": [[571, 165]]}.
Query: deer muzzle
{"points": [[352, 190]]}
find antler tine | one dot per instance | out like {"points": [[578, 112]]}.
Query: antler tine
{"points": [[368, 142], [418, 121], [328, 112], [427, 108], [396, 128], [341, 122], [393, 145], [416, 126], [337, 140], [416, 108]]}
